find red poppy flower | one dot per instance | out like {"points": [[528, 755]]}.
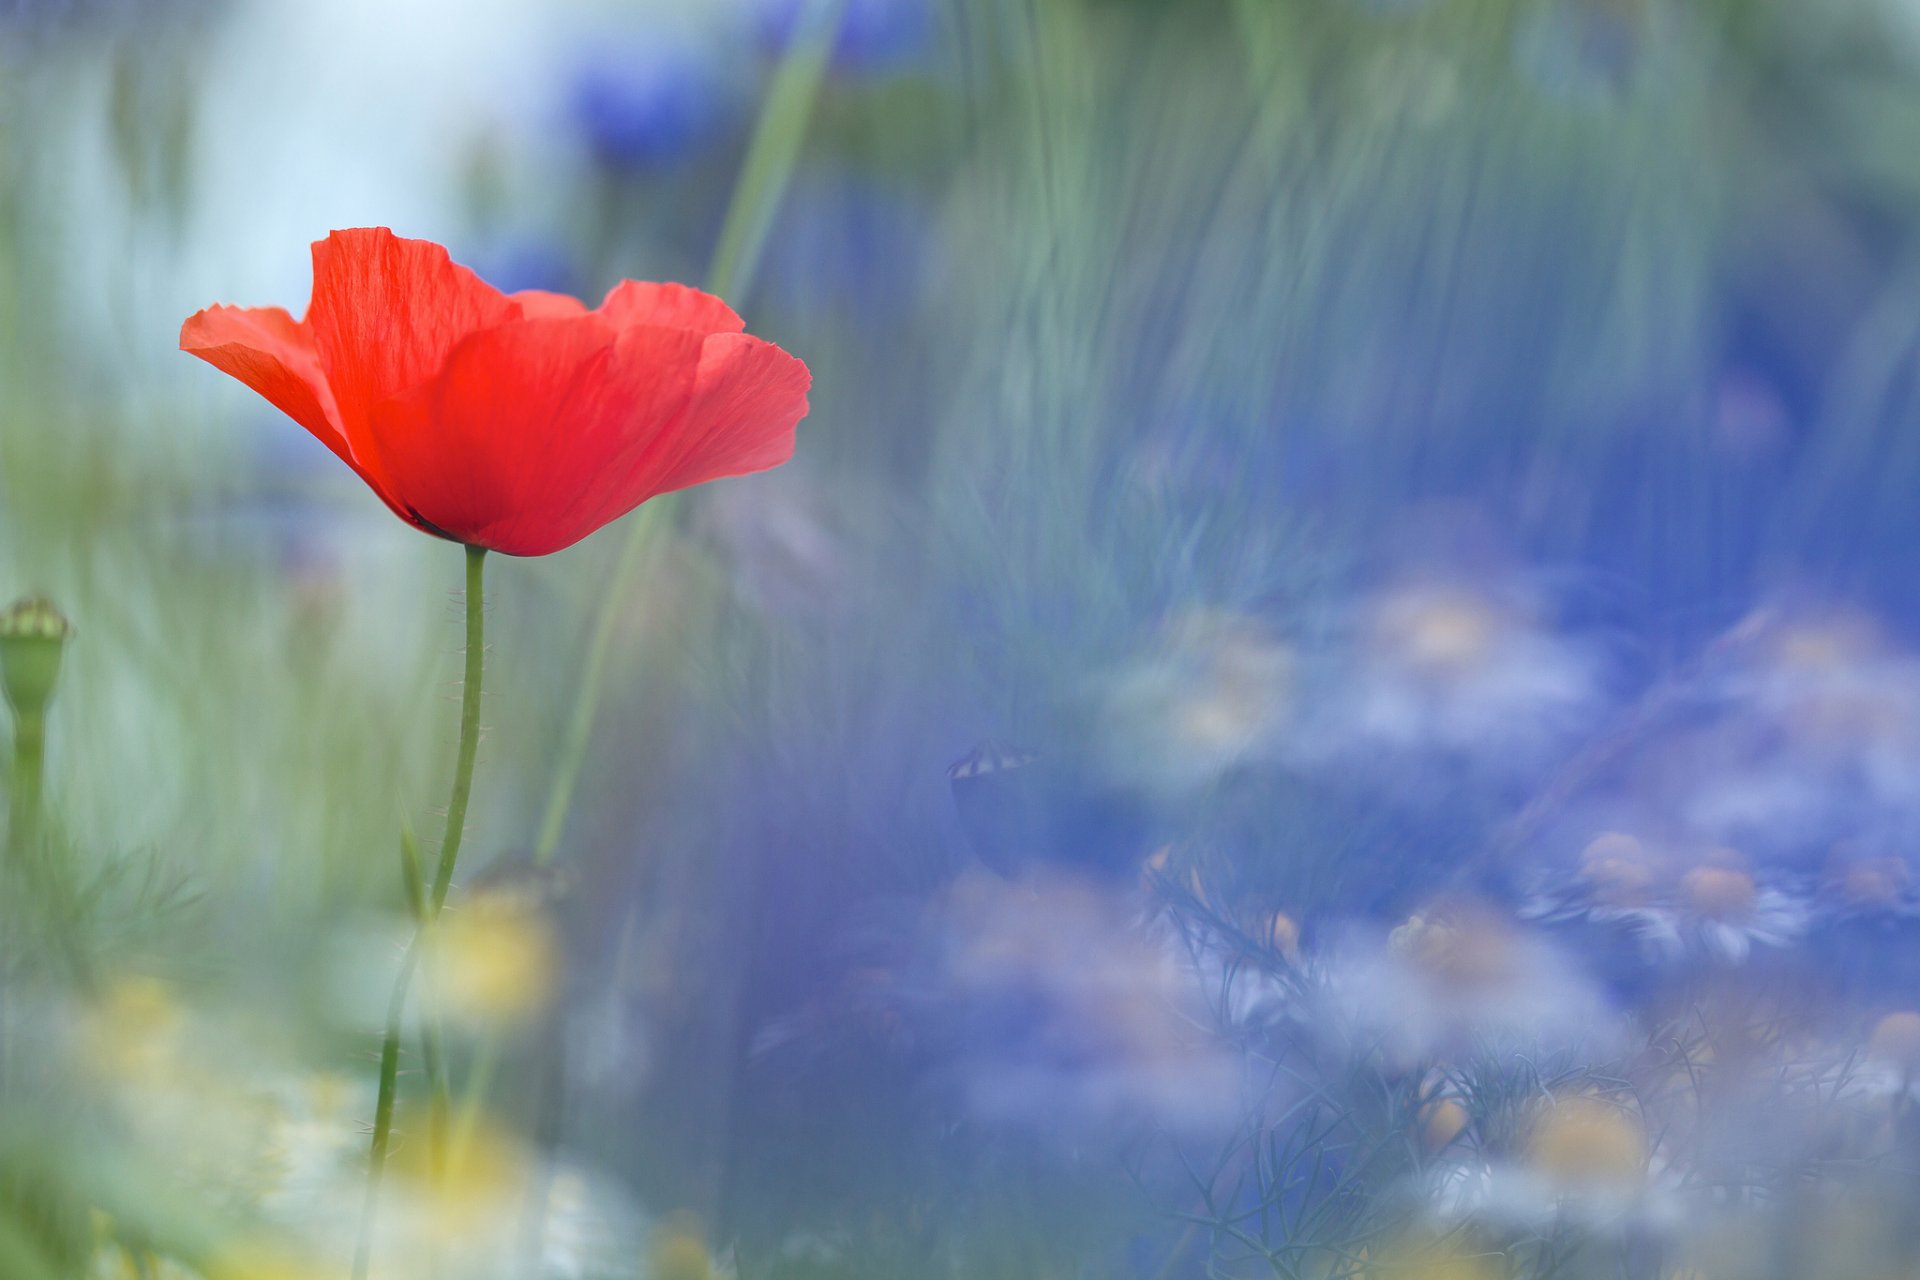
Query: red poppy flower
{"points": [[517, 422]]}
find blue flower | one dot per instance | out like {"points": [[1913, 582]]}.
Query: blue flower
{"points": [[640, 106], [874, 35]]}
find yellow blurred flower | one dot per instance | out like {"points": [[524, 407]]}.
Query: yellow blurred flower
{"points": [[679, 1252], [1827, 675], [1244, 678], [1868, 882], [132, 1030], [1439, 631], [1409, 1261], [1836, 642], [1460, 943], [1213, 690], [1585, 1144], [263, 1260], [484, 1183], [494, 958]]}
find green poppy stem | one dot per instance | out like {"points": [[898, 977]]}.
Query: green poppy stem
{"points": [[469, 730], [32, 638], [383, 1111], [23, 838], [764, 176], [26, 790], [426, 908]]}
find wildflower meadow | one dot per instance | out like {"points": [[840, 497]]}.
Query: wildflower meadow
{"points": [[959, 640]]}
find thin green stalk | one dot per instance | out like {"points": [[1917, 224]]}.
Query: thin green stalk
{"points": [[774, 150], [426, 908], [383, 1110], [469, 729], [29, 766], [433, 1057], [586, 701], [764, 176], [23, 822], [41, 879]]}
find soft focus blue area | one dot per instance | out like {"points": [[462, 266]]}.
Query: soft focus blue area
{"points": [[648, 102], [874, 35], [856, 243]]}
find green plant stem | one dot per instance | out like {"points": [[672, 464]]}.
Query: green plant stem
{"points": [[764, 176], [426, 911], [40, 877], [383, 1109], [469, 730], [586, 701], [23, 823], [25, 795], [774, 149]]}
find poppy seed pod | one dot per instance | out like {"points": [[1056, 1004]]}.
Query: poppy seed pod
{"points": [[33, 635]]}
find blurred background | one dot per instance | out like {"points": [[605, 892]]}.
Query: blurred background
{"points": [[1332, 690]]}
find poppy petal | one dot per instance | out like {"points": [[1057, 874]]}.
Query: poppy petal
{"points": [[748, 398], [385, 314], [264, 348], [540, 302], [520, 422], [672, 306], [524, 442]]}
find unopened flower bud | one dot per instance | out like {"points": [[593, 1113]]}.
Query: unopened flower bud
{"points": [[32, 635], [1283, 936], [1442, 1120]]}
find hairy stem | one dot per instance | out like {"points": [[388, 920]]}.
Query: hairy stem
{"points": [[469, 730], [426, 907]]}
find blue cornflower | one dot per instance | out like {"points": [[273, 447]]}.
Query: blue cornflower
{"points": [[874, 35], [642, 105]]}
